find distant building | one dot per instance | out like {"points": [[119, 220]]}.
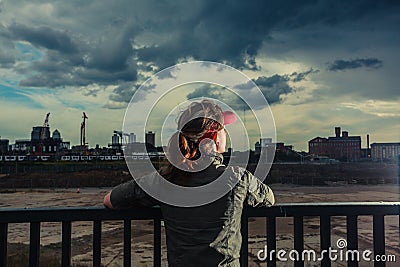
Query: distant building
{"points": [[56, 135], [115, 144], [263, 143], [385, 151], [4, 146], [341, 147], [132, 138], [267, 142], [150, 138], [265, 149], [41, 142], [40, 133], [22, 146], [280, 146]]}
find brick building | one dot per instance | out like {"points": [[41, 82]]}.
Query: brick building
{"points": [[341, 147], [385, 151]]}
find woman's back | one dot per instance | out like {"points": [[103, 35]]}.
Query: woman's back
{"points": [[209, 235], [191, 230], [205, 232]]}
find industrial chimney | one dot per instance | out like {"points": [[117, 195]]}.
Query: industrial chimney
{"points": [[367, 141]]}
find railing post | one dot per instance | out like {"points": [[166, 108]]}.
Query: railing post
{"points": [[157, 243], [271, 241], [127, 243], [299, 239], [34, 244], [379, 238], [3, 244], [352, 238], [245, 245], [325, 239], [66, 244], [96, 243]]}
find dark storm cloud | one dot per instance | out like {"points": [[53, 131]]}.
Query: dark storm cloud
{"points": [[114, 52], [331, 13], [45, 37], [6, 59], [91, 92], [297, 77], [208, 91], [220, 94], [276, 86], [7, 51], [232, 32], [340, 64], [102, 62], [272, 88], [124, 92], [228, 32], [102, 42], [64, 74]]}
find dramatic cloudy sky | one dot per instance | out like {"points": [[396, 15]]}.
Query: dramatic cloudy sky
{"points": [[320, 64]]}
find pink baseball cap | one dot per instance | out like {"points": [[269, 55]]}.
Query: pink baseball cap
{"points": [[229, 117]]}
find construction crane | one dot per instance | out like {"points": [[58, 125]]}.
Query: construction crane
{"points": [[83, 130], [45, 125], [46, 120], [42, 135]]}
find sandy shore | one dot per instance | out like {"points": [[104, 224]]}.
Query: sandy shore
{"points": [[142, 231]]}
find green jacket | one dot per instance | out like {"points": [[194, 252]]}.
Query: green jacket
{"points": [[207, 235]]}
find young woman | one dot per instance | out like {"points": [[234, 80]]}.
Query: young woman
{"points": [[206, 235]]}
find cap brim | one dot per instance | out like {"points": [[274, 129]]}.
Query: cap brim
{"points": [[229, 117]]}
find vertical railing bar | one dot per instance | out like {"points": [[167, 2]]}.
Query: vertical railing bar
{"points": [[379, 237], [244, 261], [96, 243], [299, 239], [325, 239], [34, 244], [66, 244], [127, 243], [271, 241], [3, 244], [352, 238], [157, 243]]}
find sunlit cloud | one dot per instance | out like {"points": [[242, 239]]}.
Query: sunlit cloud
{"points": [[376, 107]]}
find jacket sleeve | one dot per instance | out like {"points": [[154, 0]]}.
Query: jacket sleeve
{"points": [[130, 194], [258, 193]]}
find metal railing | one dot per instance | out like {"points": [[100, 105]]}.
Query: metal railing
{"points": [[297, 211]]}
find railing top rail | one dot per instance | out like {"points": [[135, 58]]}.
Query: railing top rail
{"points": [[327, 209], [354, 203], [57, 214]]}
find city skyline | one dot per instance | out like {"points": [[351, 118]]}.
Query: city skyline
{"points": [[319, 64], [114, 133]]}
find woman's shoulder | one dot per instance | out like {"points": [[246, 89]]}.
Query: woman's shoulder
{"points": [[238, 171], [238, 176]]}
